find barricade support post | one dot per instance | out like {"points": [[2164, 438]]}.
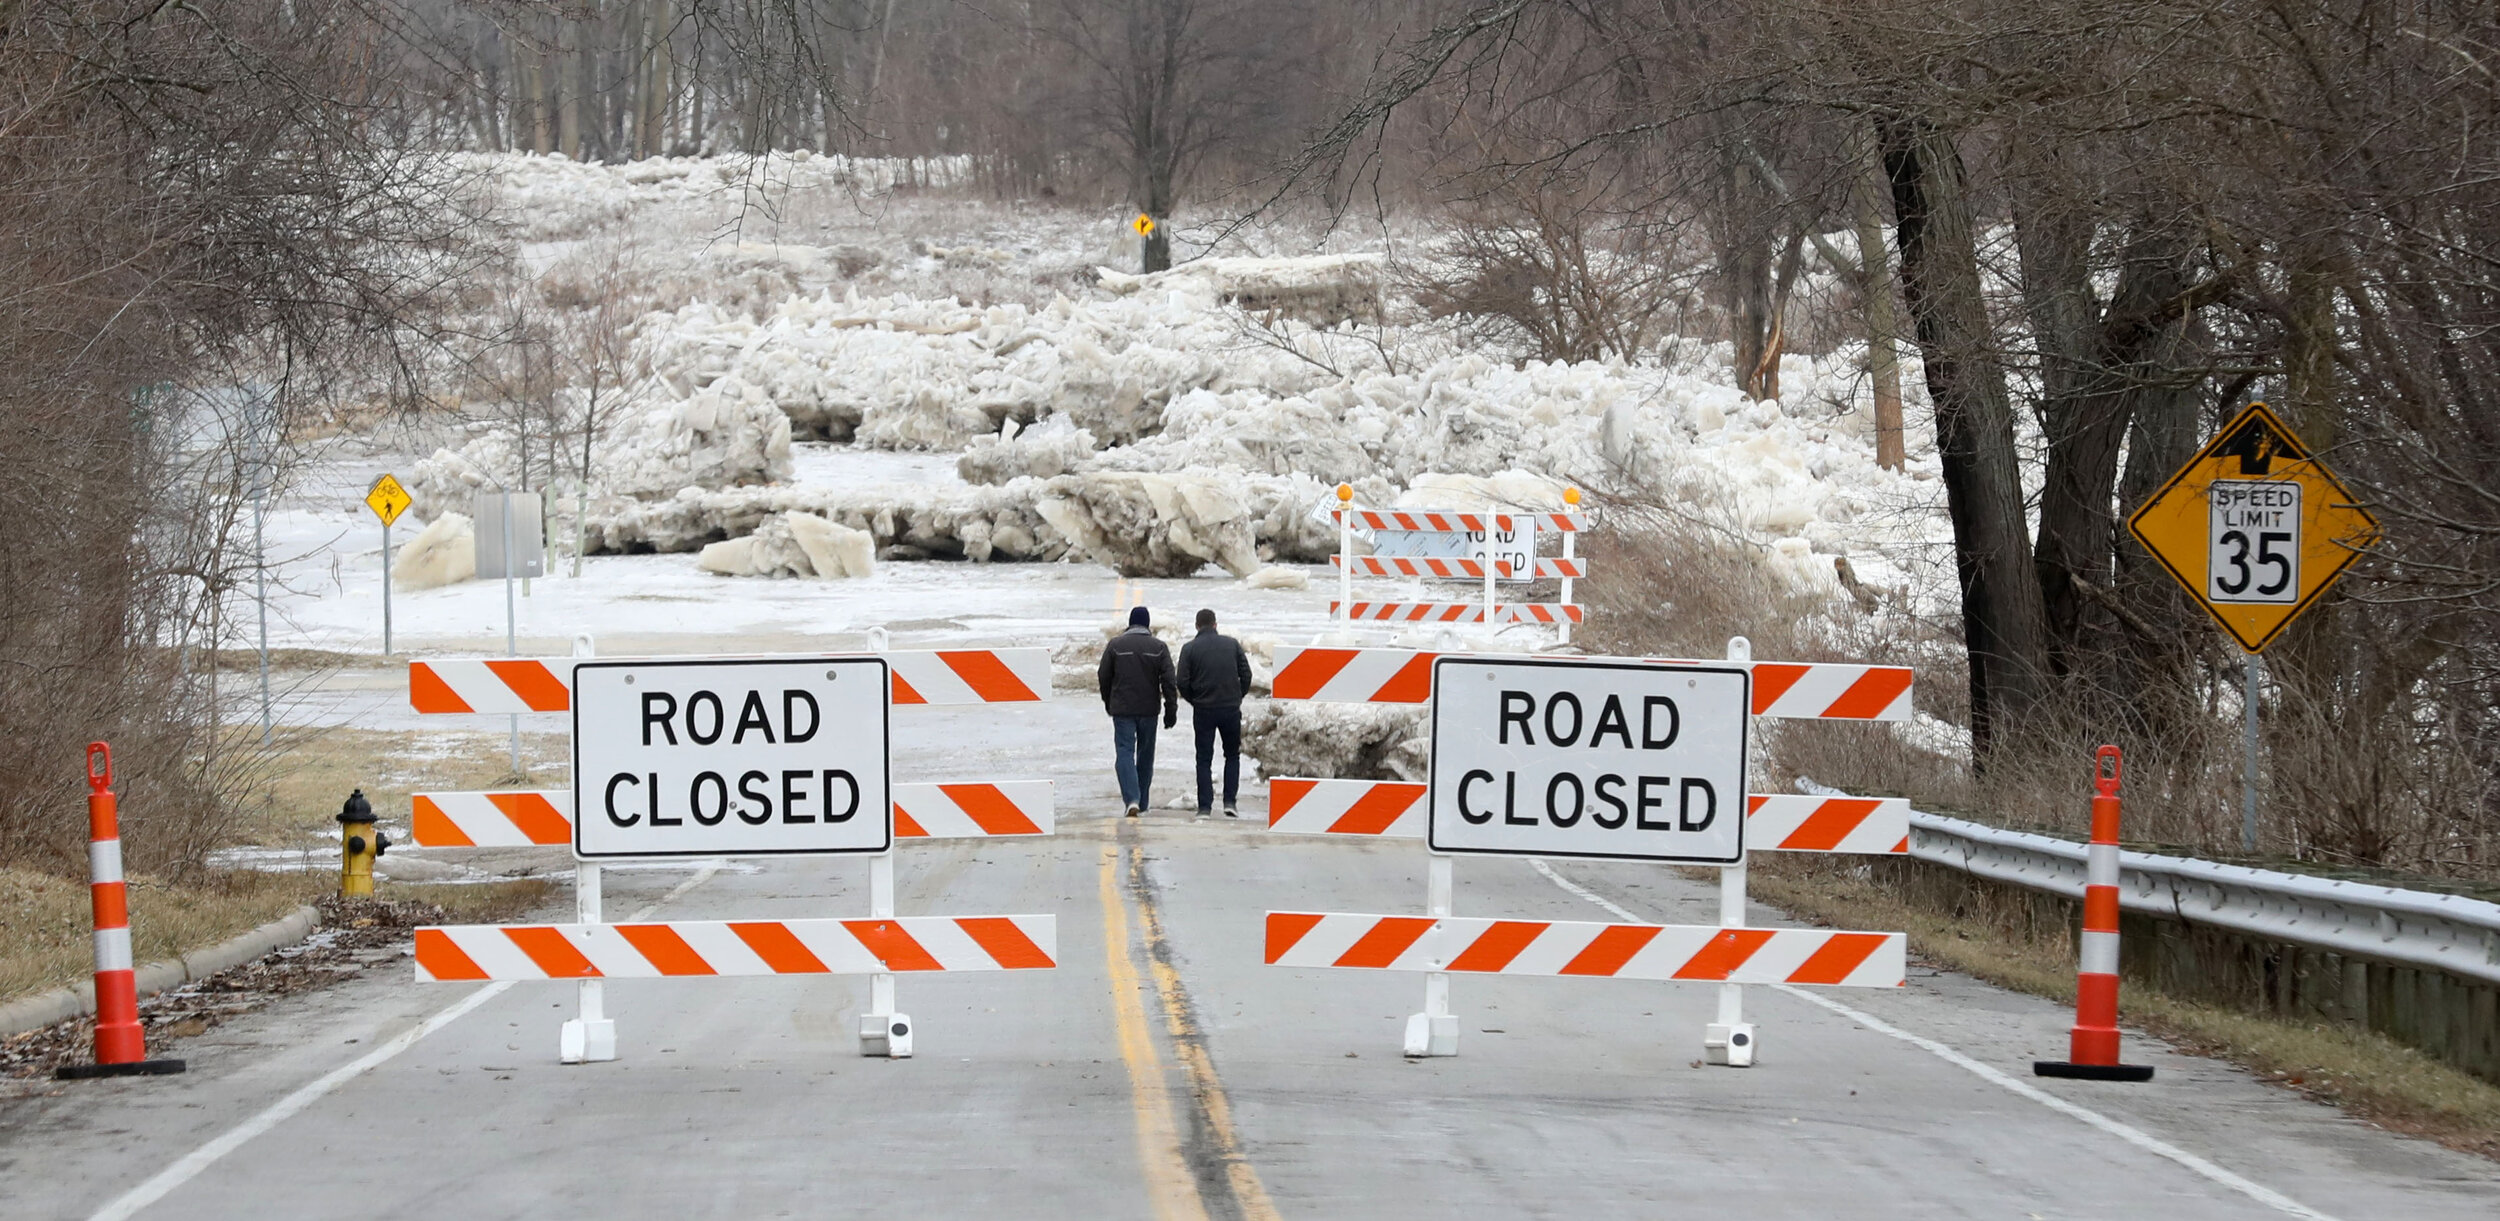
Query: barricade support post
{"points": [[1345, 547], [1729, 1042], [882, 1031], [2092, 1050], [1571, 501], [591, 1037], [1434, 1032]]}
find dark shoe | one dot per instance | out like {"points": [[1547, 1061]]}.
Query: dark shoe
{"points": [[1203, 813], [1132, 811], [1230, 812]]}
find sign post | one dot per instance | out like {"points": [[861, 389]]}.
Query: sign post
{"points": [[2256, 530], [387, 500]]}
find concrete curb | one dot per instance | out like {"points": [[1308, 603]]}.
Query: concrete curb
{"points": [[44, 1008]]}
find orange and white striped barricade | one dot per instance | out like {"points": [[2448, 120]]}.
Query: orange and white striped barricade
{"points": [[1771, 822], [1543, 567], [1456, 612], [1816, 690], [961, 809], [1694, 953], [1790, 822], [1390, 808], [941, 810], [2092, 1046], [121, 1044], [505, 685], [1481, 543], [1775, 822], [685, 948]]}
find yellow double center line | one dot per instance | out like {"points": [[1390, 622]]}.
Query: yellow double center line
{"points": [[1179, 1191]]}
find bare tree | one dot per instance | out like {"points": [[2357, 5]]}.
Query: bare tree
{"points": [[199, 211]]}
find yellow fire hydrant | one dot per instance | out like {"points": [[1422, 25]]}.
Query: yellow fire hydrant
{"points": [[360, 843]]}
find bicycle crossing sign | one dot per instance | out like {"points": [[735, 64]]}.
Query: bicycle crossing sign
{"points": [[2254, 527]]}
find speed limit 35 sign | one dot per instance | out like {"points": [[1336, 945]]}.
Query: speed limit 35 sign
{"points": [[2253, 533], [1551, 757], [2254, 527]]}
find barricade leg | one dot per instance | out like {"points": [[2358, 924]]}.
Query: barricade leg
{"points": [[1434, 1032], [1571, 497], [1730, 1040], [590, 1038], [882, 1031]]}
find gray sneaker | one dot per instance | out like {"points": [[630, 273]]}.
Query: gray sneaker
{"points": [[1230, 812], [1202, 813], [1132, 811]]}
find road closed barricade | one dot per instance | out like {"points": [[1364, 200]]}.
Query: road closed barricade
{"points": [[1491, 547], [733, 757], [1601, 758]]}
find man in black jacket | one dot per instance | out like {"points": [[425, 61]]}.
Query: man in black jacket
{"points": [[1214, 676], [1136, 668]]}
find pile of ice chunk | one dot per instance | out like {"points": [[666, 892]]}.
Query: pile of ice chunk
{"points": [[552, 197], [722, 435], [793, 545]]}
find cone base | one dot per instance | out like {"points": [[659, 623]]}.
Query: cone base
{"points": [[2092, 1072], [129, 1068]]}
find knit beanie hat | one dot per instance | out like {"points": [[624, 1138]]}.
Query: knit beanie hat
{"points": [[1137, 616]]}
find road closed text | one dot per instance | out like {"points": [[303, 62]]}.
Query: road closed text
{"points": [[730, 758], [1568, 758]]}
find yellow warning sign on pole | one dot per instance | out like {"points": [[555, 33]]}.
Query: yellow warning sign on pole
{"points": [[2254, 528], [1144, 225], [387, 499]]}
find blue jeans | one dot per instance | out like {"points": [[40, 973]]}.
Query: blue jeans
{"points": [[1208, 723], [1133, 756]]}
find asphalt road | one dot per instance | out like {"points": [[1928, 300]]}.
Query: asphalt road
{"points": [[1162, 1072]]}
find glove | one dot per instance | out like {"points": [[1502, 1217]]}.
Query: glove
{"points": [[1171, 717]]}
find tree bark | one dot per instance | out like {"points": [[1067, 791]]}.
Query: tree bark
{"points": [[1883, 324], [2001, 616], [2121, 361]]}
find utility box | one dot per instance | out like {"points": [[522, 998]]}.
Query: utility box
{"points": [[528, 557]]}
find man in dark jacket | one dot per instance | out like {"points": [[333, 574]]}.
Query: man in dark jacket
{"points": [[1136, 668], [1214, 676]]}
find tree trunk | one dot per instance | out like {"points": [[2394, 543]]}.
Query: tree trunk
{"points": [[2123, 364], [1883, 324], [2053, 234], [1974, 427]]}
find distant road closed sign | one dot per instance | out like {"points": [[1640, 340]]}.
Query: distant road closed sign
{"points": [[1596, 759], [730, 758]]}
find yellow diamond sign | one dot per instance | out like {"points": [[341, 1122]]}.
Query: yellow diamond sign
{"points": [[2254, 527], [1144, 225], [387, 499]]}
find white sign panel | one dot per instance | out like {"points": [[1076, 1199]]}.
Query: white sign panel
{"points": [[730, 758], [1596, 759], [2254, 541], [1515, 546]]}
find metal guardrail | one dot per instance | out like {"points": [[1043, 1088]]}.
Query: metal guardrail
{"points": [[2450, 933]]}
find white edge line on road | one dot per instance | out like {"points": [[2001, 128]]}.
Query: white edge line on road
{"points": [[2133, 1136], [192, 1163]]}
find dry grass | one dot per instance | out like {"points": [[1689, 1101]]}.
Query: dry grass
{"points": [[45, 921], [2368, 1074], [313, 777]]}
